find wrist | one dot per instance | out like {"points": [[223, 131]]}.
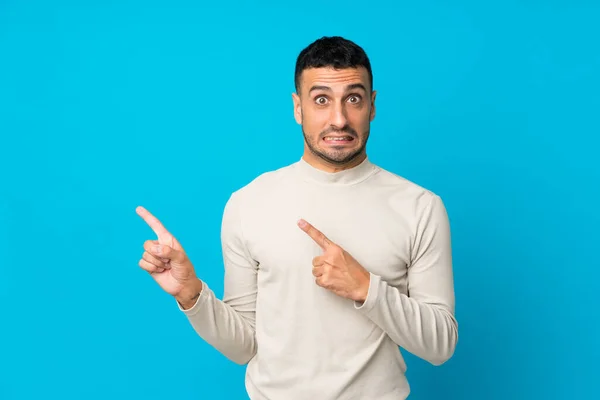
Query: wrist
{"points": [[363, 290], [188, 296]]}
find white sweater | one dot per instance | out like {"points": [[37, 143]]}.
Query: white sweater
{"points": [[302, 341]]}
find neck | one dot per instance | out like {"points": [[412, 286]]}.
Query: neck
{"points": [[321, 173], [326, 166]]}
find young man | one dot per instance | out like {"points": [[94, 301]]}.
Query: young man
{"points": [[331, 263]]}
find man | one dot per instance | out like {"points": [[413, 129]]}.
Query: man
{"points": [[331, 263]]}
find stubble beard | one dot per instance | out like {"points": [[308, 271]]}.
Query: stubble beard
{"points": [[336, 156]]}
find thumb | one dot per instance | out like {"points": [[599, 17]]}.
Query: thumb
{"points": [[169, 253]]}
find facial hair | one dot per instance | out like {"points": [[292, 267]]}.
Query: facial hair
{"points": [[336, 157]]}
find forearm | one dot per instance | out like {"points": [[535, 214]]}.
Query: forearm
{"points": [[220, 325], [426, 330]]}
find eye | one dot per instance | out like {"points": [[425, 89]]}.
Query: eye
{"points": [[354, 99], [321, 100]]}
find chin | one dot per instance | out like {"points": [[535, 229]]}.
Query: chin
{"points": [[339, 157]]}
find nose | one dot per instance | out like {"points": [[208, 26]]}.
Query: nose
{"points": [[338, 116]]}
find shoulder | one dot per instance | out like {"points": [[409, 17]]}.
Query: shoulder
{"points": [[261, 186], [265, 182], [406, 195], [402, 186]]}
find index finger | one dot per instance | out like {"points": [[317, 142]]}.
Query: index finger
{"points": [[153, 222], [315, 234]]}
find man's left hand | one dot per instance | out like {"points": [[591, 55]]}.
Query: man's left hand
{"points": [[336, 270]]}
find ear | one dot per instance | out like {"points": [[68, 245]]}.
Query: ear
{"points": [[297, 108], [373, 95]]}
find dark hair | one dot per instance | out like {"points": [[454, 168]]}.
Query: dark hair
{"points": [[332, 51]]}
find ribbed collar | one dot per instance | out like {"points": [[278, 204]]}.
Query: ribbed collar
{"points": [[346, 177]]}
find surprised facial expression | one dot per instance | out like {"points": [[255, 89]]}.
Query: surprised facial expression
{"points": [[335, 109]]}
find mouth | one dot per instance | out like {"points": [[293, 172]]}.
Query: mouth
{"points": [[338, 140]]}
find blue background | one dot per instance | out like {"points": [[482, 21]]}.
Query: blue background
{"points": [[106, 105]]}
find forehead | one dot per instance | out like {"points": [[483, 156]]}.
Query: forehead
{"points": [[333, 78]]}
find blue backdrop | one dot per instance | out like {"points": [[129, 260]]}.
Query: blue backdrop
{"points": [[108, 105]]}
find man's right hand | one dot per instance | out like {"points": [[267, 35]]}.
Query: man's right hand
{"points": [[167, 263]]}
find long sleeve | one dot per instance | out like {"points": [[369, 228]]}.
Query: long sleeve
{"points": [[229, 325], [423, 321]]}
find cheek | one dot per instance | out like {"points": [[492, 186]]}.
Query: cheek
{"points": [[360, 119], [314, 120]]}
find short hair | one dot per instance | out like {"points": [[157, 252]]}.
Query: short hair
{"points": [[332, 51]]}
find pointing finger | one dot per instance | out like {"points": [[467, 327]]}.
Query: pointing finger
{"points": [[315, 234], [154, 223]]}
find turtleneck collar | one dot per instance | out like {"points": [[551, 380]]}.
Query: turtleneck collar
{"points": [[346, 177]]}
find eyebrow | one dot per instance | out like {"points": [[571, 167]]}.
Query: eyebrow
{"points": [[349, 87]]}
